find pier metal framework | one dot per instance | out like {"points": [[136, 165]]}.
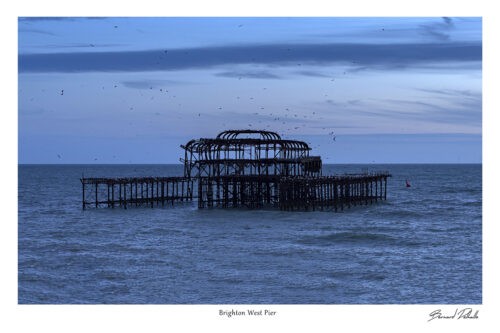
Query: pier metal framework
{"points": [[249, 152], [242, 168]]}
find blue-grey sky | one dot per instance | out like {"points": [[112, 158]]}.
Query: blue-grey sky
{"points": [[360, 90]]}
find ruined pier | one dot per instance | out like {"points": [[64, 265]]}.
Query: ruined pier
{"points": [[242, 169], [137, 191]]}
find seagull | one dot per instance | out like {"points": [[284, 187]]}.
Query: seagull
{"points": [[62, 92]]}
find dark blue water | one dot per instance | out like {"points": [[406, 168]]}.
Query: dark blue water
{"points": [[423, 245]]}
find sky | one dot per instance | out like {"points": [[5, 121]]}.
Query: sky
{"points": [[357, 89]]}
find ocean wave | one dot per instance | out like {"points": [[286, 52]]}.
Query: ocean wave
{"points": [[401, 214], [110, 275], [361, 238]]}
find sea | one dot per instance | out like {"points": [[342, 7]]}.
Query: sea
{"points": [[423, 245]]}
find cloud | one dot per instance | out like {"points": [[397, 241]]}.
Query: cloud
{"points": [[31, 111], [37, 31], [453, 92], [249, 75], [455, 110], [448, 21], [148, 84], [388, 55], [458, 112], [28, 19], [438, 30], [76, 45], [352, 102], [312, 74], [44, 18]]}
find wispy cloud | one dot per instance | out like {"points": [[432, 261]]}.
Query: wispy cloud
{"points": [[312, 74], [452, 111], [31, 111], [37, 31], [457, 112], [57, 18], [439, 30], [387, 55], [249, 75], [453, 93], [77, 46], [149, 84]]}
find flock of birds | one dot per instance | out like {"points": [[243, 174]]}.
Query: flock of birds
{"points": [[268, 120]]}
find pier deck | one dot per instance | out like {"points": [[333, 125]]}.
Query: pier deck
{"points": [[286, 193], [337, 192], [136, 191]]}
